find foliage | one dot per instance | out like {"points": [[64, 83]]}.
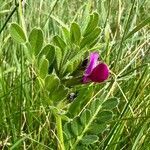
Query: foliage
{"points": [[41, 64]]}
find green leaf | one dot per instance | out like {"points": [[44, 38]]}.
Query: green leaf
{"points": [[110, 103], [104, 116], [76, 126], [75, 33], [28, 52], [72, 66], [65, 117], [59, 94], [66, 34], [43, 67], [89, 39], [76, 63], [95, 116], [59, 42], [85, 116], [17, 33], [36, 40], [83, 95], [49, 52], [68, 131], [93, 22], [97, 128], [87, 29], [94, 105], [58, 53], [89, 139], [96, 41], [78, 56], [52, 83], [69, 68]]}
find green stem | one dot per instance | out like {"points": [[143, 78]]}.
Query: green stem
{"points": [[21, 89], [60, 133], [22, 18]]}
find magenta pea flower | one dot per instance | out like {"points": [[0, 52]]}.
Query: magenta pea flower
{"points": [[96, 70]]}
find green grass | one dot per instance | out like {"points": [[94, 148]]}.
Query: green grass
{"points": [[28, 120]]}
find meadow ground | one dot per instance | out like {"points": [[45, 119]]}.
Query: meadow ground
{"points": [[43, 103]]}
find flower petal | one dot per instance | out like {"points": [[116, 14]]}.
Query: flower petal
{"points": [[92, 64], [100, 73]]}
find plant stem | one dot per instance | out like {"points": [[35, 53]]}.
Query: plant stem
{"points": [[22, 18], [21, 63], [60, 132]]}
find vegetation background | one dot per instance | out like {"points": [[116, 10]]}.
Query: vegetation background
{"points": [[124, 44]]}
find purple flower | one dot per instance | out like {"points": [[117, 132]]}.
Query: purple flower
{"points": [[96, 71]]}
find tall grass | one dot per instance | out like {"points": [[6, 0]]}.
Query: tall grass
{"points": [[26, 121]]}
